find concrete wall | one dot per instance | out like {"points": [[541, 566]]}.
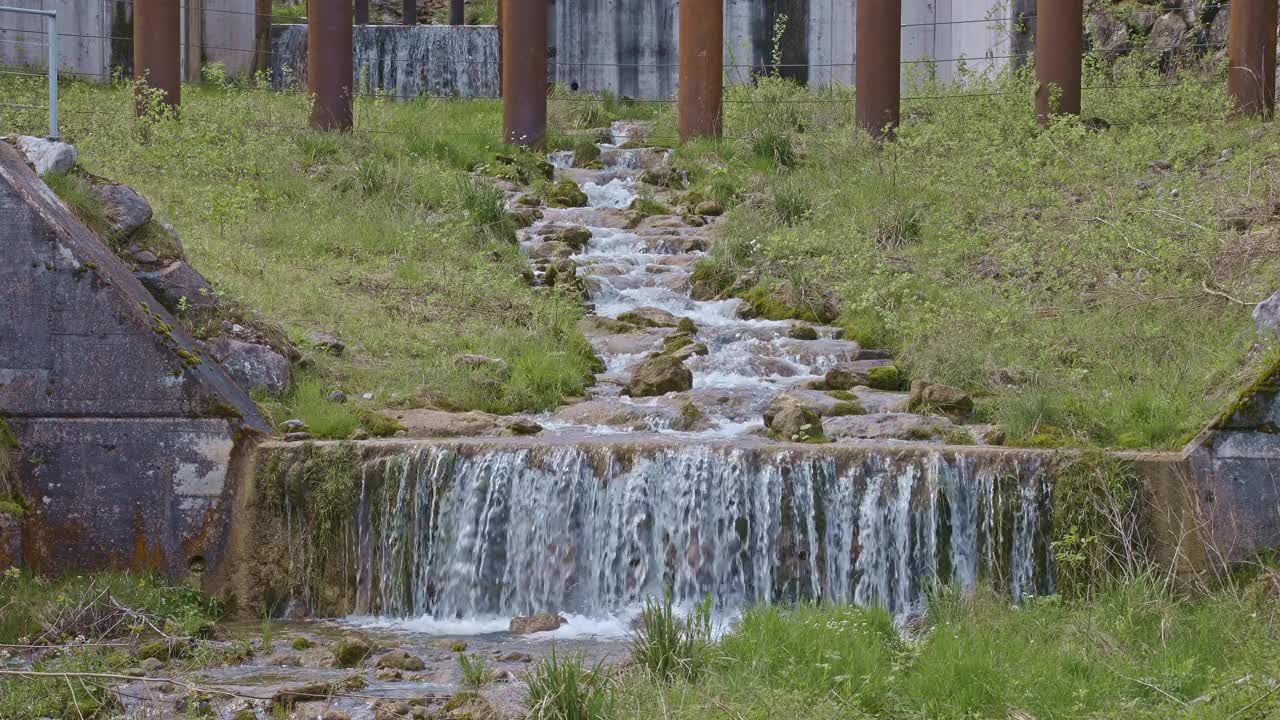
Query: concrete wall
{"points": [[96, 36], [630, 47], [129, 439]]}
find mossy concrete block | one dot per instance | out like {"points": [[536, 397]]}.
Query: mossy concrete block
{"points": [[129, 434]]}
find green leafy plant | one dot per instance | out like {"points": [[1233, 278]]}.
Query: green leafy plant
{"points": [[673, 648], [475, 670], [565, 688]]}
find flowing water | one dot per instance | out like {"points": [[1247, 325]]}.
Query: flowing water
{"points": [[622, 499]]}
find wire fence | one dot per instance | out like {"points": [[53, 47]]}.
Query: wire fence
{"points": [[1191, 51]]}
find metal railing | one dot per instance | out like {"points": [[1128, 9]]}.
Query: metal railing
{"points": [[51, 18]]}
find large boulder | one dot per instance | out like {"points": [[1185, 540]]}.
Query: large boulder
{"points": [[48, 156], [876, 374], [658, 376], [126, 209], [527, 624], [551, 250], [575, 236], [179, 286], [1169, 35], [1109, 35], [253, 366], [822, 404]]}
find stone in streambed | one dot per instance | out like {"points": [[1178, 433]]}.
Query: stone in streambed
{"points": [[575, 236], [802, 331], [551, 250], [650, 317], [400, 660], [849, 375], [528, 624], [691, 350], [709, 208], [658, 376], [795, 422], [351, 650], [888, 426], [939, 398]]}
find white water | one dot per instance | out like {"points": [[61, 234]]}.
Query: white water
{"points": [[484, 534]]}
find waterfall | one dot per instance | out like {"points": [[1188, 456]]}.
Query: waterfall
{"points": [[401, 61], [478, 531]]}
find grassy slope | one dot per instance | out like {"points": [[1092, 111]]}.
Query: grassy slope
{"points": [[376, 235], [1055, 274], [1133, 653]]}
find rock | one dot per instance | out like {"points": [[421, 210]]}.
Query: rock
{"points": [[151, 665], [284, 660], [293, 426], [48, 155], [669, 413], [427, 423], [253, 366], [565, 193], [1141, 21], [351, 650], [820, 403], [793, 421], [317, 658], [849, 375], [575, 236], [989, 434], [297, 436], [1266, 317], [882, 378], [658, 376], [551, 250], [327, 342], [394, 711], [520, 657], [337, 396], [649, 317], [709, 208], [451, 645], [478, 362], [802, 331], [1109, 34], [687, 351], [599, 326], [367, 396], [546, 622], [663, 177], [126, 209], [1218, 28], [888, 426], [335, 714], [179, 286], [525, 217], [400, 660], [561, 272], [145, 257], [389, 675], [940, 398], [1169, 35]]}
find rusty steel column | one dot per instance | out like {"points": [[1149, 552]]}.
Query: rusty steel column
{"points": [[457, 12], [1059, 55], [701, 68], [330, 69], [157, 52], [409, 15], [524, 72], [1251, 39], [362, 12], [878, 65]]}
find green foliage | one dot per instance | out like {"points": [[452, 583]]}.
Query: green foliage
{"points": [[310, 403], [485, 209], [1133, 652], [79, 196], [564, 688], [475, 670], [671, 648], [1099, 523], [369, 234]]}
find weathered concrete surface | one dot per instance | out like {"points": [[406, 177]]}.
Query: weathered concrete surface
{"points": [[402, 61], [129, 439], [1235, 464]]}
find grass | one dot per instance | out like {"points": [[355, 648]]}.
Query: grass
{"points": [[1135, 652], [671, 648], [475, 670], [82, 611], [562, 687], [379, 236], [1084, 293]]}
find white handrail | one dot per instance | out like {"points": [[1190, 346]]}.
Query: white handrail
{"points": [[52, 17]]}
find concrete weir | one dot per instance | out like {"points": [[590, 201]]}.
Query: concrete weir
{"points": [[130, 441]]}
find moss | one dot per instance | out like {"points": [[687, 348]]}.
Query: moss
{"points": [[883, 378], [844, 395], [958, 436], [687, 325], [674, 342], [845, 408], [379, 425], [11, 507], [565, 193], [302, 644], [768, 303], [164, 650], [922, 433]]}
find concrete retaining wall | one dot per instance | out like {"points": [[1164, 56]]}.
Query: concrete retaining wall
{"points": [[96, 36], [130, 440]]}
